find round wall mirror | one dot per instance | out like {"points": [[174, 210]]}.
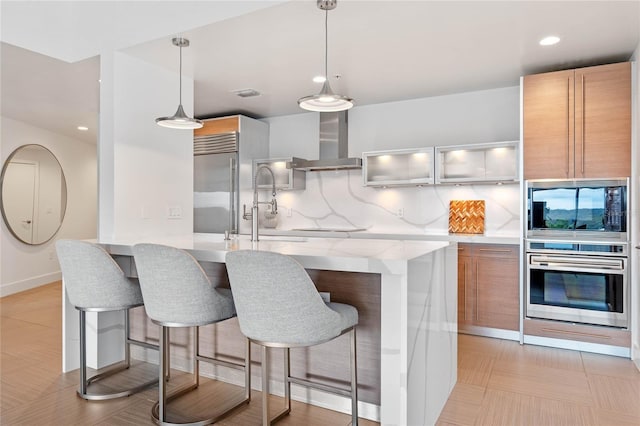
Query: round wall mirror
{"points": [[33, 195]]}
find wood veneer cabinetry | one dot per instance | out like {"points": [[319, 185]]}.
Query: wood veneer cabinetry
{"points": [[488, 291], [578, 332], [577, 123], [218, 125]]}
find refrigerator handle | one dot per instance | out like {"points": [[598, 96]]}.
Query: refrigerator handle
{"points": [[232, 188]]}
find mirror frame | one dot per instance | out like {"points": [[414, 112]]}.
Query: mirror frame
{"points": [[66, 198]]}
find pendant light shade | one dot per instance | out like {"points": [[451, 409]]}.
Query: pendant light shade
{"points": [[326, 100], [180, 120]]}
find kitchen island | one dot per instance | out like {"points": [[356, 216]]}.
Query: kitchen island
{"points": [[417, 312]]}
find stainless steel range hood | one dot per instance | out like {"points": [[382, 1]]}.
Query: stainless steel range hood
{"points": [[334, 144]]}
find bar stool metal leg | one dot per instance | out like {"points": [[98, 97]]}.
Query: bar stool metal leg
{"points": [[85, 382], [354, 380], [266, 416], [162, 388], [266, 410], [83, 354], [159, 409]]}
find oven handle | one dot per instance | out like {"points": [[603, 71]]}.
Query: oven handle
{"points": [[577, 262]]}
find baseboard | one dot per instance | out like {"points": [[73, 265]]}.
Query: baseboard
{"points": [[489, 332], [578, 346], [28, 284]]}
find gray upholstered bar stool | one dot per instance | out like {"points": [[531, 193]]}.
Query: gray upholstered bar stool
{"points": [[95, 283], [279, 306], [178, 293]]}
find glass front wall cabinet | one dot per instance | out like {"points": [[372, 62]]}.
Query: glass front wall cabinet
{"points": [[286, 179], [490, 162], [403, 167]]}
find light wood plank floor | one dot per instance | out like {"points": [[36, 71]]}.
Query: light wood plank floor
{"points": [[499, 382]]}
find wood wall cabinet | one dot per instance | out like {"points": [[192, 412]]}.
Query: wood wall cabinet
{"points": [[488, 290], [218, 125], [577, 123]]}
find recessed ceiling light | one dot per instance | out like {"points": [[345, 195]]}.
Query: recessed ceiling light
{"points": [[549, 41], [83, 128], [319, 79]]}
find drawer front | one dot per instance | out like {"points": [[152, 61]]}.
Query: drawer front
{"points": [[577, 332]]}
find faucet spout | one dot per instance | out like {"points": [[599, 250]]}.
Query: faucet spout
{"points": [[254, 208]]}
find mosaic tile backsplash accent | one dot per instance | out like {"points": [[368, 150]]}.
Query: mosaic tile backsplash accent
{"points": [[339, 200], [466, 216]]}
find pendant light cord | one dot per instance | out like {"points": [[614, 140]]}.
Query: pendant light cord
{"points": [[180, 85], [326, 43]]}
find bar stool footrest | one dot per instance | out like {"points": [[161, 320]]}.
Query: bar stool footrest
{"points": [[183, 390], [110, 372]]}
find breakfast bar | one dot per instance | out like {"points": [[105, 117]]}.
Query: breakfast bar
{"points": [[413, 331]]}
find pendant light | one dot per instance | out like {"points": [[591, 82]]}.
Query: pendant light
{"points": [[326, 100], [180, 120]]}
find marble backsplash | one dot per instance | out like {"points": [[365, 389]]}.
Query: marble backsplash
{"points": [[339, 200]]}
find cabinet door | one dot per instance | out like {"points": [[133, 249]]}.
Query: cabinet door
{"points": [[216, 126], [603, 121], [466, 287], [400, 167], [497, 290], [548, 129]]}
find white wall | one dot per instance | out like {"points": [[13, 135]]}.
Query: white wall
{"points": [[24, 266], [338, 199], [145, 169]]}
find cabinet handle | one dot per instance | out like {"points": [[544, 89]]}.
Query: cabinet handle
{"points": [[568, 140], [464, 299], [582, 126], [496, 250], [576, 333], [476, 278]]}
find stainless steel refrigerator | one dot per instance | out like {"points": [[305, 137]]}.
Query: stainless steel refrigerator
{"points": [[215, 193], [222, 174]]}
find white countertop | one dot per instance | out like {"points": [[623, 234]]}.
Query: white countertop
{"points": [[488, 238], [340, 254]]}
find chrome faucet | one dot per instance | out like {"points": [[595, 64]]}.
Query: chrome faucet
{"points": [[254, 208]]}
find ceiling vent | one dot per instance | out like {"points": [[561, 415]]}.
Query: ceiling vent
{"points": [[246, 93]]}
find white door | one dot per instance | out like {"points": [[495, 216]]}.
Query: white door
{"points": [[18, 195]]}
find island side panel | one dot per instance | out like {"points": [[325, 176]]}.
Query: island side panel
{"points": [[432, 334], [393, 365]]}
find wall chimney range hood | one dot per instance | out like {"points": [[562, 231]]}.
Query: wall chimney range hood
{"points": [[334, 144]]}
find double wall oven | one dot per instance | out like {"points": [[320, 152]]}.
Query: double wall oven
{"points": [[577, 251]]}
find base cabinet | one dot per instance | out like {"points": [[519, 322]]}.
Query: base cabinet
{"points": [[488, 290]]}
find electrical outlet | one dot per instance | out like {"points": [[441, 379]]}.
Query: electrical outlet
{"points": [[174, 212], [400, 212], [289, 212], [52, 255], [326, 296]]}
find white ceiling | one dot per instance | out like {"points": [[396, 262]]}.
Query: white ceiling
{"points": [[50, 93], [383, 50]]}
